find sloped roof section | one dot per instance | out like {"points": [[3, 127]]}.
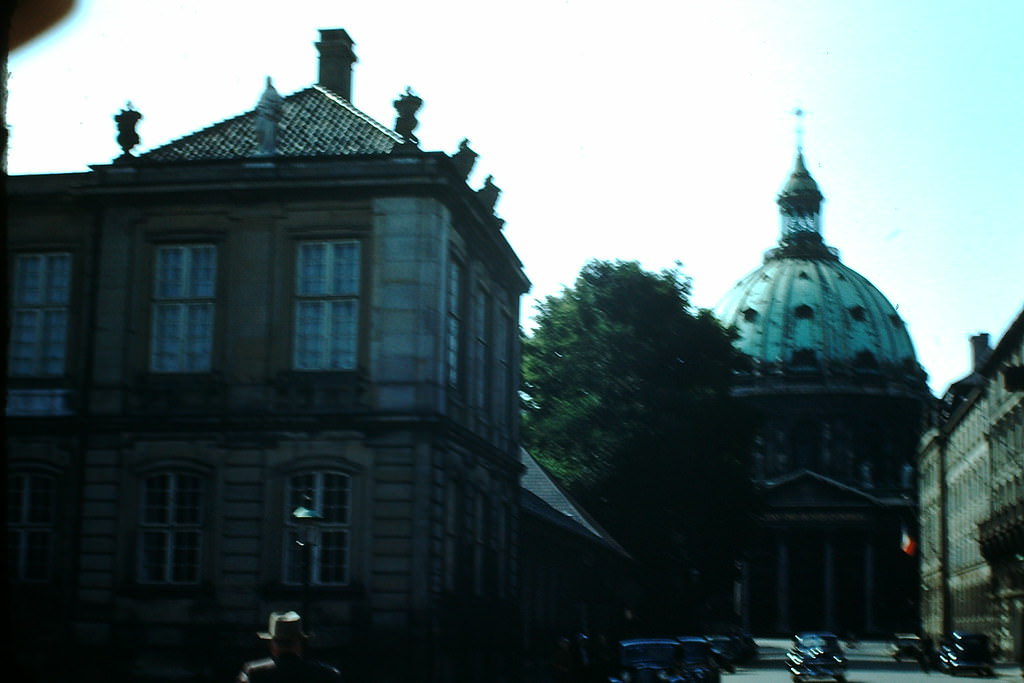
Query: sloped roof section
{"points": [[543, 497], [314, 122]]}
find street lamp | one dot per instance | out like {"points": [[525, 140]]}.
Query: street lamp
{"points": [[306, 519]]}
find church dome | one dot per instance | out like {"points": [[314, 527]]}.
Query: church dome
{"points": [[805, 312]]}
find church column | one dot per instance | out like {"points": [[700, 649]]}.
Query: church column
{"points": [[869, 586], [830, 584], [782, 583], [745, 594]]}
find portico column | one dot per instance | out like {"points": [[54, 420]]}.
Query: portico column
{"points": [[782, 583], [745, 595], [869, 586], [830, 587]]}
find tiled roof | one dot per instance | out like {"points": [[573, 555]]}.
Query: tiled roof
{"points": [[314, 122], [543, 497]]}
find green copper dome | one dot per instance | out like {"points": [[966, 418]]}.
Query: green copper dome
{"points": [[803, 311]]}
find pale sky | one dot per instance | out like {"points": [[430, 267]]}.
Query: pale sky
{"points": [[641, 130]]}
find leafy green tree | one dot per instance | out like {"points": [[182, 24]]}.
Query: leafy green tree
{"points": [[626, 401]]}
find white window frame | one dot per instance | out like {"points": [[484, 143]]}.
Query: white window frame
{"points": [[40, 314], [171, 528], [329, 493], [31, 518], [184, 299], [327, 292]]}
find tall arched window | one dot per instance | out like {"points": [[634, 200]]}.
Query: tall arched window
{"points": [[330, 495], [171, 528], [30, 527]]}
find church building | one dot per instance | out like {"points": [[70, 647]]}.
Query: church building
{"points": [[841, 400]]}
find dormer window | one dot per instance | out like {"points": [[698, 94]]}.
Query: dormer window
{"points": [[750, 315], [858, 313], [804, 312]]}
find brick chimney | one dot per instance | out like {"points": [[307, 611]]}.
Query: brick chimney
{"points": [[336, 60], [980, 350]]}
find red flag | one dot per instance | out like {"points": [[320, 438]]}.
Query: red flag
{"points": [[907, 543]]}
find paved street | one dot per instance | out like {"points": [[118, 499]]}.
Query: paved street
{"points": [[869, 663]]}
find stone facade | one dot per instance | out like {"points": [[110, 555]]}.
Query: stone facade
{"points": [[972, 500], [157, 466]]}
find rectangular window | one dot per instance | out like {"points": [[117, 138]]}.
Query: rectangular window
{"points": [[39, 316], [453, 332], [30, 527], [318, 550], [501, 516], [327, 305], [481, 325], [170, 529], [183, 307], [501, 384], [477, 526], [451, 534]]}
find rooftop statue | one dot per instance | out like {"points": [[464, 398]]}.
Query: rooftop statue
{"points": [[488, 194], [268, 114], [126, 121], [464, 159], [407, 104]]}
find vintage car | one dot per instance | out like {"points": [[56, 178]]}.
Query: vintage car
{"points": [[645, 660], [697, 660], [726, 651], [816, 655], [746, 646], [906, 646], [963, 652]]}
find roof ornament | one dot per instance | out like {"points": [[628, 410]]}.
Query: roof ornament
{"points": [[126, 121], [464, 159], [488, 194], [268, 114], [407, 104]]}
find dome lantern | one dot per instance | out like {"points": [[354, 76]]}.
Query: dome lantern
{"points": [[799, 203]]}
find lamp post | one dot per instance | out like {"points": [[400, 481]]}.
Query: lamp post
{"points": [[306, 519]]}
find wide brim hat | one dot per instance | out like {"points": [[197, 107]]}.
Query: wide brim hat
{"points": [[284, 626]]}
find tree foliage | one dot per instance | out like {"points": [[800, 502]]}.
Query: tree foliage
{"points": [[627, 403]]}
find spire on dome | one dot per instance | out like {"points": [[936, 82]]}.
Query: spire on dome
{"points": [[800, 199]]}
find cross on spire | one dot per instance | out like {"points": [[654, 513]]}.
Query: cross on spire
{"points": [[799, 113]]}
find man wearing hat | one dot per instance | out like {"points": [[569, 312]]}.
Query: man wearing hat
{"points": [[287, 662]]}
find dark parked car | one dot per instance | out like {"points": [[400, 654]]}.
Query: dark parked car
{"points": [[962, 652], [907, 646], [698, 660], [726, 651], [645, 660], [746, 647], [816, 655]]}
